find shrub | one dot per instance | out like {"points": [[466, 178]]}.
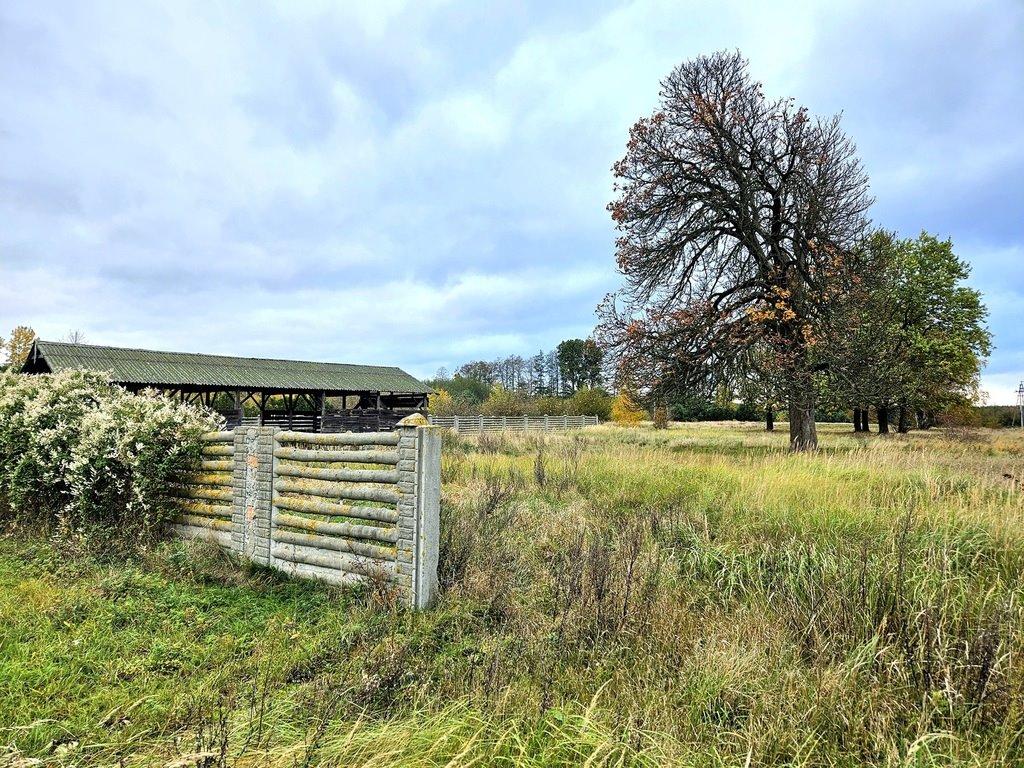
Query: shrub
{"points": [[961, 424], [546, 405], [626, 411], [748, 412], [591, 402], [503, 402], [441, 403], [91, 460]]}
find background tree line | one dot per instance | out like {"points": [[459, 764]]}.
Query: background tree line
{"points": [[566, 380]]}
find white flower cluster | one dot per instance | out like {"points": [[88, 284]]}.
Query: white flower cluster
{"points": [[91, 457]]}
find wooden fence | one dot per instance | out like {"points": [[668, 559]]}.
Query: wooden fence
{"points": [[334, 507], [474, 425], [352, 420]]}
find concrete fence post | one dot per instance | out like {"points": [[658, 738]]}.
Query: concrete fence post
{"points": [[419, 507], [252, 492], [428, 509]]}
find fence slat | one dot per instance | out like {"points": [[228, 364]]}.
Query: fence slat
{"points": [[211, 478], [327, 490], [328, 509], [218, 449], [316, 541], [206, 492], [223, 465], [337, 457], [284, 520], [349, 565], [205, 522], [209, 510], [339, 438], [222, 538], [339, 475]]}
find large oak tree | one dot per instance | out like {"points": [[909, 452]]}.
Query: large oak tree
{"points": [[735, 212]]}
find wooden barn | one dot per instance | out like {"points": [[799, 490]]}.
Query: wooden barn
{"points": [[304, 396]]}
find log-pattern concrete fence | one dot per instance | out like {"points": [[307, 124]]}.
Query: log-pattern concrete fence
{"points": [[335, 507], [474, 425]]}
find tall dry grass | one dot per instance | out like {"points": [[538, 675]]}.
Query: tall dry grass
{"points": [[689, 596]]}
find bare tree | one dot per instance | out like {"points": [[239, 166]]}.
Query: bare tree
{"points": [[74, 337], [734, 213]]}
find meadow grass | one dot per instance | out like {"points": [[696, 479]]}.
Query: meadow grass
{"points": [[634, 597]]}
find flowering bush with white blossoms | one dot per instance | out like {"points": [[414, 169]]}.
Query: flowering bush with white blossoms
{"points": [[90, 460]]}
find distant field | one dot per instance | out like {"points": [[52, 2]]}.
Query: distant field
{"points": [[696, 596]]}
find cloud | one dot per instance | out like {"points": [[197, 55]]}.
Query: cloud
{"points": [[421, 183]]}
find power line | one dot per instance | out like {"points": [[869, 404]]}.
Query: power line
{"points": [[1020, 403]]}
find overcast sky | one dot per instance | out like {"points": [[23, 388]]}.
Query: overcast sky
{"points": [[424, 183]]}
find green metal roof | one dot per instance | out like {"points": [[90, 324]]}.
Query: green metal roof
{"points": [[180, 369]]}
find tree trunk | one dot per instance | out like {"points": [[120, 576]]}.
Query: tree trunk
{"points": [[802, 433], [883, 419], [769, 419], [856, 420], [865, 424], [904, 423]]}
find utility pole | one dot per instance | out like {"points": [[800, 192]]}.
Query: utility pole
{"points": [[1020, 403]]}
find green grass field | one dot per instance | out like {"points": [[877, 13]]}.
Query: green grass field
{"points": [[695, 596]]}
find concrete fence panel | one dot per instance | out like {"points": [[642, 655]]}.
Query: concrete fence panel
{"points": [[337, 507]]}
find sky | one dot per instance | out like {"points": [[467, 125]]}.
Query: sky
{"points": [[424, 183]]}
